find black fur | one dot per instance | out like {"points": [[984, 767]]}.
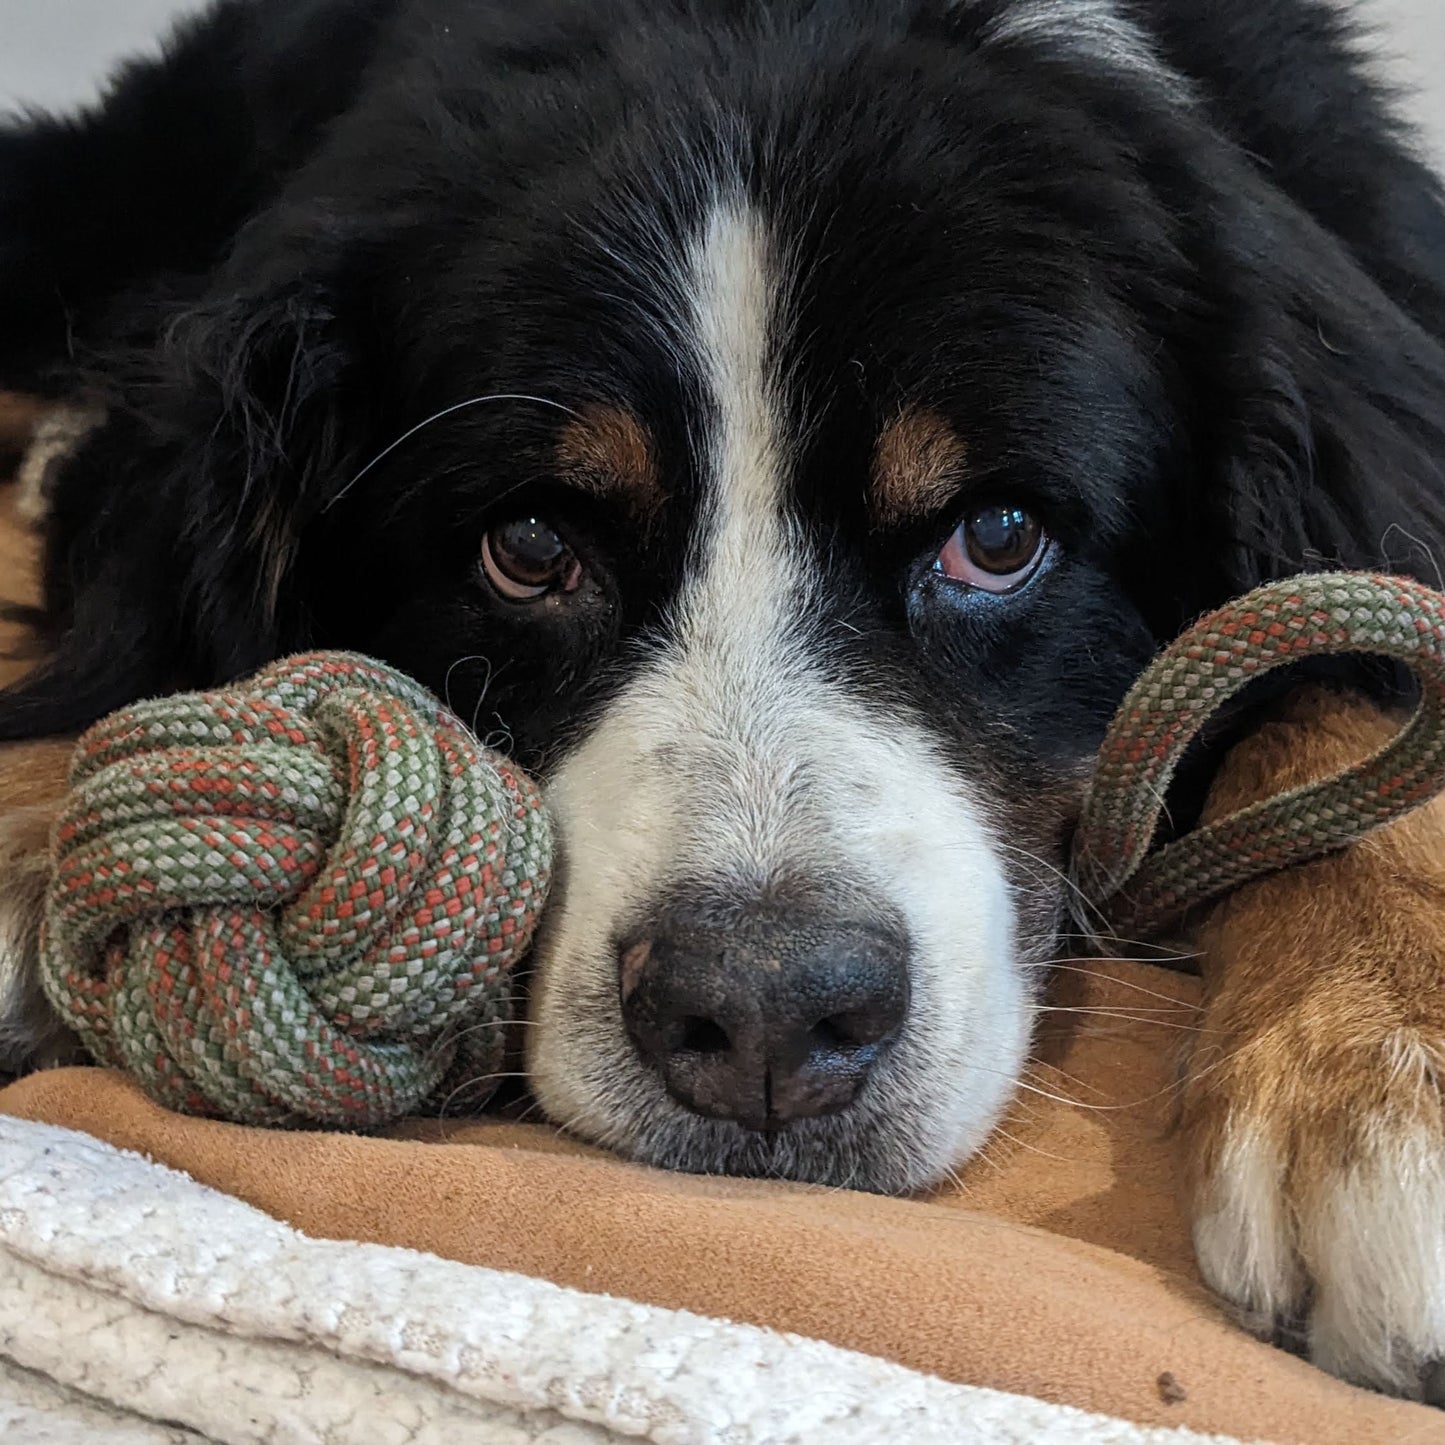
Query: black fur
{"points": [[1201, 335]]}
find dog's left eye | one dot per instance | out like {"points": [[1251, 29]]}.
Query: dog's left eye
{"points": [[525, 559], [997, 549]]}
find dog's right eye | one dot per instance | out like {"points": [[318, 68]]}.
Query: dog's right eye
{"points": [[997, 549], [525, 559]]}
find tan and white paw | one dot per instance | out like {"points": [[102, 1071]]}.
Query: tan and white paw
{"points": [[1313, 1112], [1324, 1224]]}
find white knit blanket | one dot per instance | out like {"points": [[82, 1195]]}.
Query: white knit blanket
{"points": [[138, 1306]]}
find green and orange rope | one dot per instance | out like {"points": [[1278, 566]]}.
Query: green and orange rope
{"points": [[1131, 887], [296, 901]]}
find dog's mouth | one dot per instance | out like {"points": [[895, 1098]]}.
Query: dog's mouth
{"points": [[905, 1131], [775, 1045], [855, 1150]]}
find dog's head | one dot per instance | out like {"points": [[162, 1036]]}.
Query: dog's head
{"points": [[791, 444]]}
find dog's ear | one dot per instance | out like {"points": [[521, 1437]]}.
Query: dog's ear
{"points": [[1323, 429], [173, 537], [155, 178], [158, 217]]}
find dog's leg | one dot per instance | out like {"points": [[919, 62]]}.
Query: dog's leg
{"points": [[1313, 1114], [32, 784]]}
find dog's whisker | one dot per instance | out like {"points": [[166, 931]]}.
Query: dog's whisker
{"points": [[1024, 1144], [1044, 1074], [1118, 1108], [1140, 1011], [959, 1184], [462, 662], [1171, 956], [1143, 1016], [1057, 966], [1052, 869], [468, 1085], [435, 417]]}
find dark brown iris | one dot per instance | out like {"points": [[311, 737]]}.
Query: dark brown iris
{"points": [[1002, 540], [525, 558]]}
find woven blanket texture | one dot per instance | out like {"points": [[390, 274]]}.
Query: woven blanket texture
{"points": [[138, 1307]]}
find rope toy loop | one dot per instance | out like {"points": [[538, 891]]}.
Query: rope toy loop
{"points": [[1319, 615]]}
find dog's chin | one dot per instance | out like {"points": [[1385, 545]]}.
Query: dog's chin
{"points": [[924, 1110]]}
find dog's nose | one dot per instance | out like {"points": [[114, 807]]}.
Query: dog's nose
{"points": [[770, 1020]]}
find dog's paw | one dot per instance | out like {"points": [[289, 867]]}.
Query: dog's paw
{"points": [[1318, 1184], [1313, 1106]]}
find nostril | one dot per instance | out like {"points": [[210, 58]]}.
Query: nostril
{"points": [[704, 1036], [833, 1034], [855, 1029], [766, 1018]]}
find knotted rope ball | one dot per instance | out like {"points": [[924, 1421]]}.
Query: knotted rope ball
{"points": [[294, 901]]}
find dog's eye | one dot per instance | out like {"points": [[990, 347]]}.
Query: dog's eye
{"points": [[525, 559], [996, 549]]}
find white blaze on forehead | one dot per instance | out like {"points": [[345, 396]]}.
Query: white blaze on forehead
{"points": [[737, 659], [735, 758], [733, 290]]}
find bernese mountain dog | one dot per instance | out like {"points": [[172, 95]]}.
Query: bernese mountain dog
{"points": [[787, 426]]}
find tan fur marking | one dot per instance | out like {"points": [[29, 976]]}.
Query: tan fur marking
{"points": [[58, 435], [606, 450], [34, 774], [917, 467], [33, 781], [34, 778], [19, 417]]}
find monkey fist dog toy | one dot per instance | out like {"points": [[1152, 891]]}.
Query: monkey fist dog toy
{"points": [[295, 901], [299, 900]]}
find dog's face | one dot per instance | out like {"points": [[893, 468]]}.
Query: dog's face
{"points": [[794, 831], [794, 468], [789, 535]]}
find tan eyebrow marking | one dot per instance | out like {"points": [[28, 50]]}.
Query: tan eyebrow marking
{"points": [[917, 467], [608, 452]]}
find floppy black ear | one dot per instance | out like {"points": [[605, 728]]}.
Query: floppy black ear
{"points": [[173, 536], [227, 381], [1326, 423], [155, 179]]}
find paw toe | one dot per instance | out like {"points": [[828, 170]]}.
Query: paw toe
{"points": [[1345, 1265]]}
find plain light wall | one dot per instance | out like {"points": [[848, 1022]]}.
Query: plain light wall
{"points": [[1412, 39], [54, 52]]}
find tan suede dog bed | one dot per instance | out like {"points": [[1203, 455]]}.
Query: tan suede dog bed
{"points": [[1059, 1265]]}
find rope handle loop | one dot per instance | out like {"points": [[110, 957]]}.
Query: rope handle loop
{"points": [[1325, 614]]}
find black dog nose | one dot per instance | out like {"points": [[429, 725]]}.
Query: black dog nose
{"points": [[774, 1019]]}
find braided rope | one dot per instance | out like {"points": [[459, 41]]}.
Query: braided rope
{"points": [[294, 901], [1325, 614]]}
